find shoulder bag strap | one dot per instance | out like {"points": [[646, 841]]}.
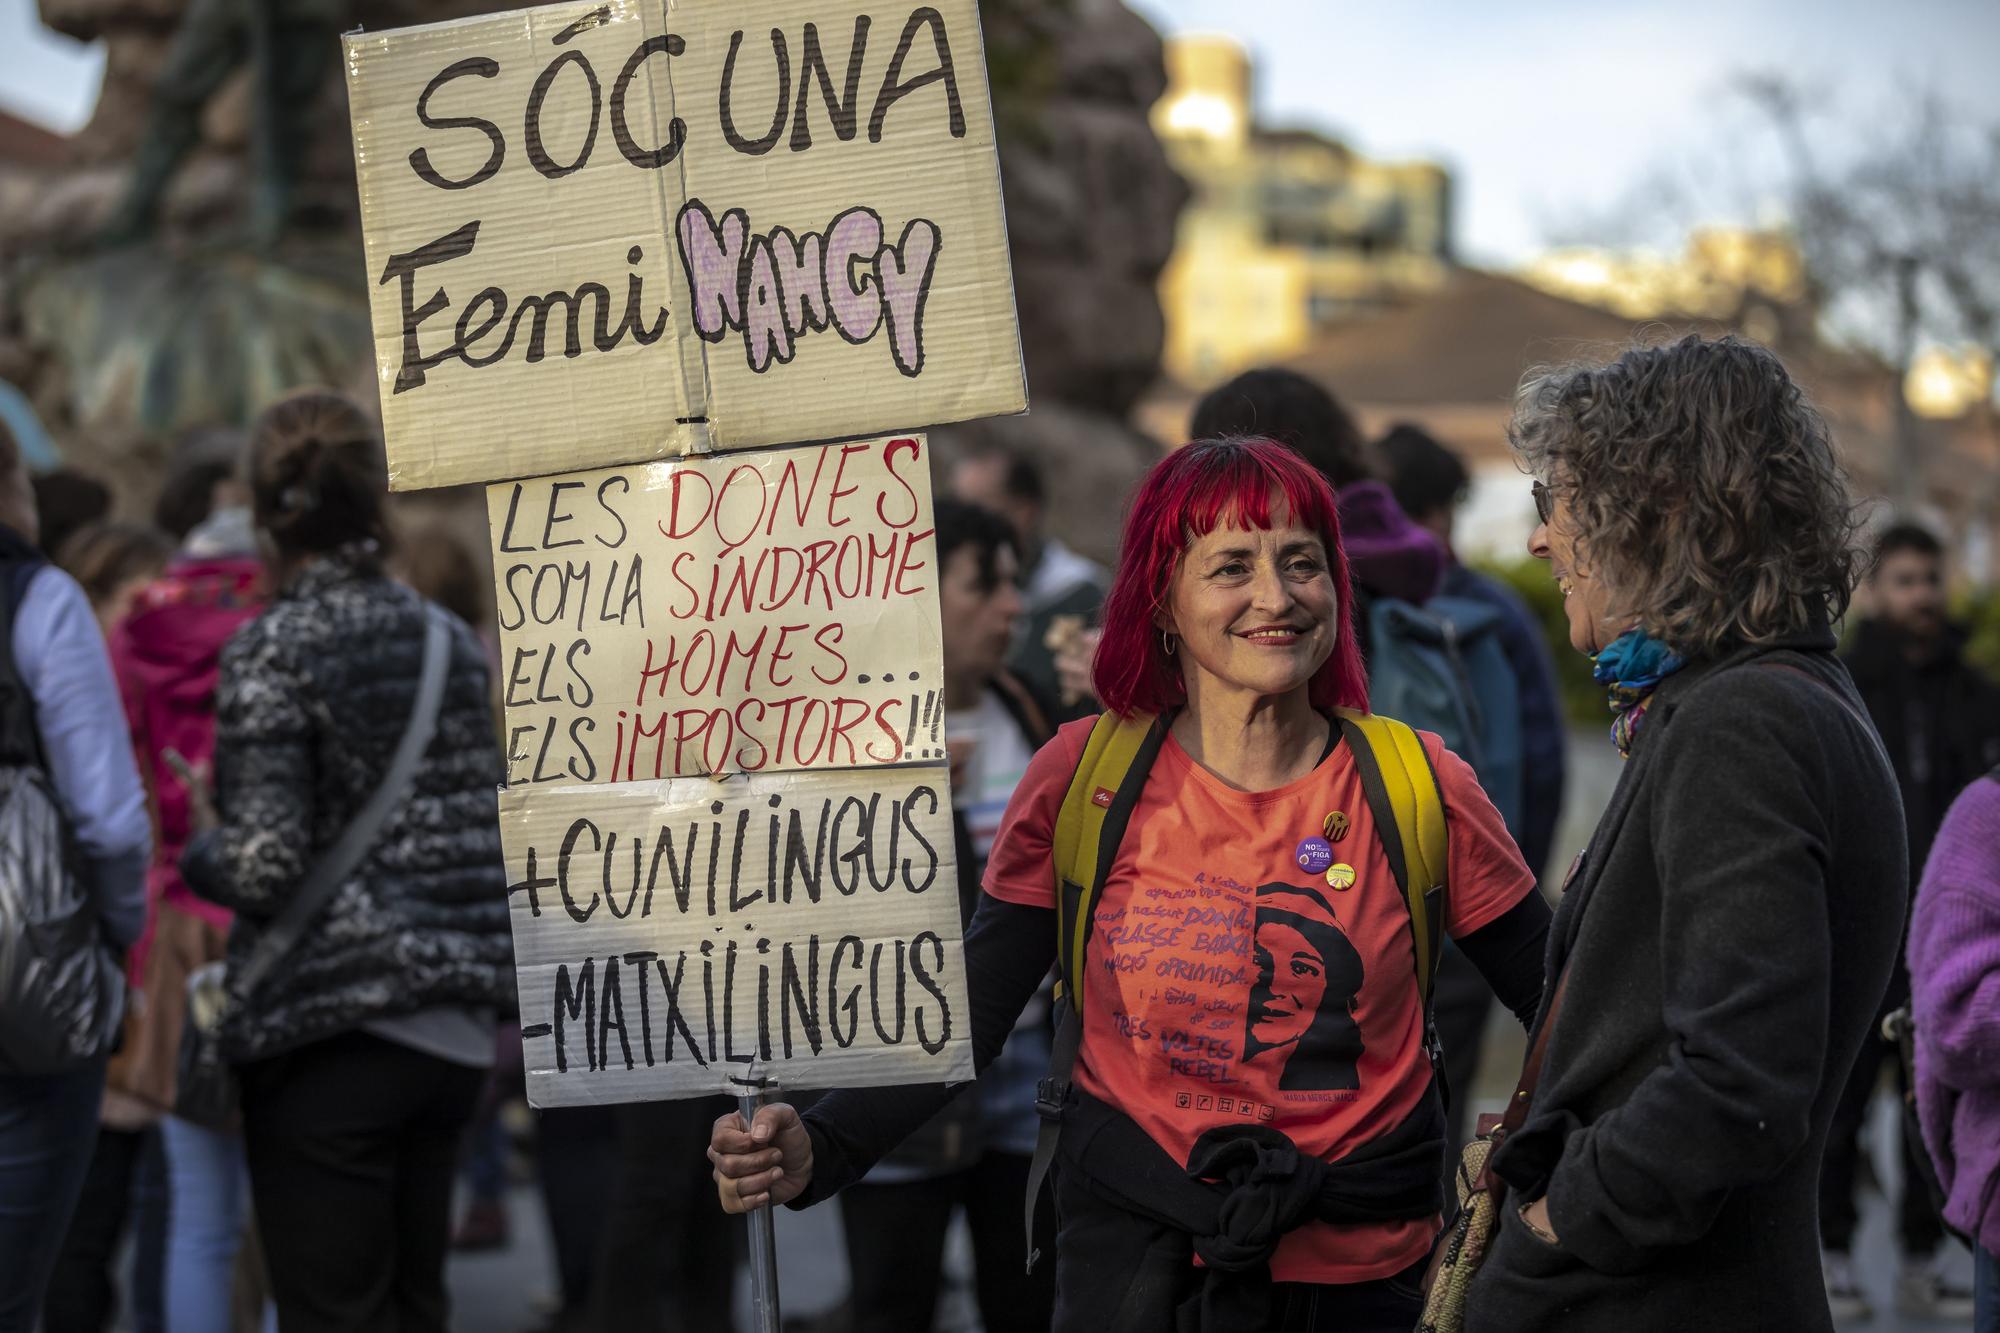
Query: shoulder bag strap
{"points": [[1825, 687], [1523, 1099], [340, 860]]}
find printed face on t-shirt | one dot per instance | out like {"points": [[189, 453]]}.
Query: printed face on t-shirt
{"points": [[1253, 608], [1300, 1021], [1291, 981]]}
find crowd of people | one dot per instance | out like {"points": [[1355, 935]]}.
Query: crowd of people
{"points": [[267, 714]]}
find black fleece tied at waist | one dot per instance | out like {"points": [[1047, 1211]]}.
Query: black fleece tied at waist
{"points": [[1243, 1188]]}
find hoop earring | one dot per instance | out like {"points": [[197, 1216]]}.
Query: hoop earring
{"points": [[1167, 643]]}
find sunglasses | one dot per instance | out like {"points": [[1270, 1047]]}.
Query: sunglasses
{"points": [[1545, 502]]}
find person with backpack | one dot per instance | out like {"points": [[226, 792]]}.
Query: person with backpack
{"points": [[1244, 876], [1440, 664], [1725, 938], [1430, 483], [352, 835], [74, 879], [1955, 956]]}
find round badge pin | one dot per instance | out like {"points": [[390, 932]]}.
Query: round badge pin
{"points": [[1335, 827], [1315, 855], [1340, 876]]}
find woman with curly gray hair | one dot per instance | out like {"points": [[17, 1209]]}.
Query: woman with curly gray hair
{"points": [[1724, 940]]}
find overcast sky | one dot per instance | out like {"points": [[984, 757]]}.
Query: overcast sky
{"points": [[1551, 112]]}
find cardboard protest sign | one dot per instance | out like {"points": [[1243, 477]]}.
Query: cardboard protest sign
{"points": [[726, 613], [672, 936], [604, 233]]}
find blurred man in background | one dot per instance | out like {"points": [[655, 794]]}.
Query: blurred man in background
{"points": [[1061, 591], [1940, 720]]}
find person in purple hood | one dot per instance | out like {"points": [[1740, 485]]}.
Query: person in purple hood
{"points": [[1955, 961]]}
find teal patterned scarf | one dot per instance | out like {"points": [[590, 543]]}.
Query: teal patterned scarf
{"points": [[1630, 669]]}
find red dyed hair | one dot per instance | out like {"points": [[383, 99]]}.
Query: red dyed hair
{"points": [[1187, 495]]}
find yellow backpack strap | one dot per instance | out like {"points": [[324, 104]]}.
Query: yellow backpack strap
{"points": [[1107, 783], [1099, 801], [1408, 805]]}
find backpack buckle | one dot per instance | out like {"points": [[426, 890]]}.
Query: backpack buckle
{"points": [[1052, 1098]]}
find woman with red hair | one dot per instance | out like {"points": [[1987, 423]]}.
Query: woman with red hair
{"points": [[1254, 1135]]}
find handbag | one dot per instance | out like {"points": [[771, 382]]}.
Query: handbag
{"points": [[205, 1086], [1899, 1029], [62, 986], [62, 990], [1481, 1194], [149, 1060]]}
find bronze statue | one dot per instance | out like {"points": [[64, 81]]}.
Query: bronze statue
{"points": [[291, 44]]}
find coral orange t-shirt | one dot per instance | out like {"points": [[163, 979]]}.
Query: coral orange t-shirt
{"points": [[1234, 976]]}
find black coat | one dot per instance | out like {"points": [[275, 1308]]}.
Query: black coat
{"points": [[311, 702], [1729, 934]]}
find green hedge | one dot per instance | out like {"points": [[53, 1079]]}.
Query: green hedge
{"points": [[1979, 610]]}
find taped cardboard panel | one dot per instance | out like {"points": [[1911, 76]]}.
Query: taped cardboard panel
{"points": [[671, 937], [520, 279], [881, 160], [538, 305], [738, 612]]}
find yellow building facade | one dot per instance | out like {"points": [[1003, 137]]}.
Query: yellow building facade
{"points": [[1287, 231]]}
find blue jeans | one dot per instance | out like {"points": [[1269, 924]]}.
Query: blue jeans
{"points": [[1985, 1290], [210, 1188], [48, 1129]]}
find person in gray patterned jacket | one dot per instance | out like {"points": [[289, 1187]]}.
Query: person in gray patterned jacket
{"points": [[361, 1055]]}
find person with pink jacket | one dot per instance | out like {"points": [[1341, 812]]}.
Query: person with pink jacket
{"points": [[165, 653]]}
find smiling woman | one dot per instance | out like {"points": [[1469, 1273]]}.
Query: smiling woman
{"points": [[1246, 1022], [1237, 557]]}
